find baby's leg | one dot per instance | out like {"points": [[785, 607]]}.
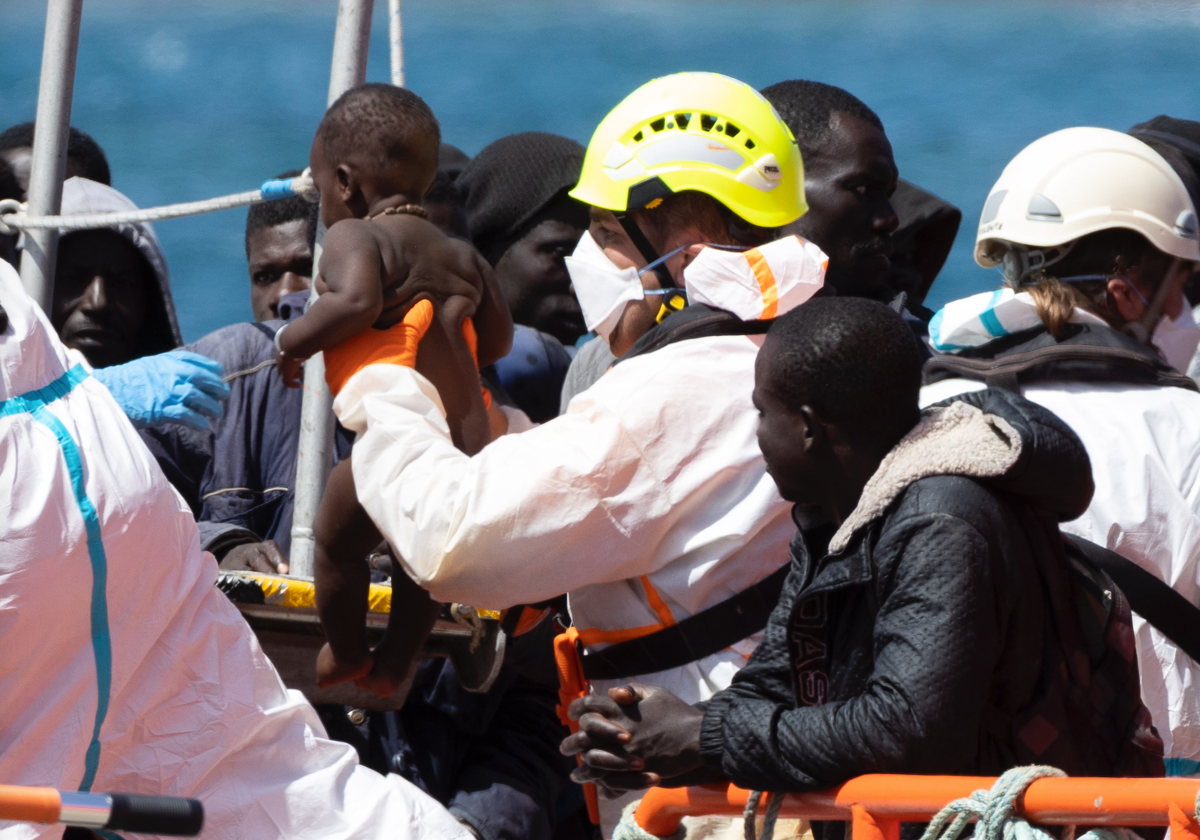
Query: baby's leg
{"points": [[412, 617], [344, 536]]}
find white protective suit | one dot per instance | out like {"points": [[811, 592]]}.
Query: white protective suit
{"points": [[1144, 445], [647, 502], [122, 667]]}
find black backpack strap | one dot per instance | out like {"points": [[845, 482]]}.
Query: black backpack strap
{"points": [[696, 637], [1121, 364], [1167, 611], [694, 321]]}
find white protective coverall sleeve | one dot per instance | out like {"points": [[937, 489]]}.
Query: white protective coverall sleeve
{"points": [[655, 462], [122, 667]]}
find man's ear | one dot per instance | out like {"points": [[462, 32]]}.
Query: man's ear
{"points": [[816, 433]]}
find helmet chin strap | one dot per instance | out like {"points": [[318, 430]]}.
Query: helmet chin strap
{"points": [[1143, 328], [1019, 264], [648, 251]]}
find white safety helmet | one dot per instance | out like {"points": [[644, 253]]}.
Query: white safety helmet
{"points": [[1079, 181]]}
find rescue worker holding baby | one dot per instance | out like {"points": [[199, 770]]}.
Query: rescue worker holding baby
{"points": [[648, 501]]}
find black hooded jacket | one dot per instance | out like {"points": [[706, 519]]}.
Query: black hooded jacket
{"points": [[916, 645]]}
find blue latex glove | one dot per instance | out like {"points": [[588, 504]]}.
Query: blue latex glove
{"points": [[175, 387]]}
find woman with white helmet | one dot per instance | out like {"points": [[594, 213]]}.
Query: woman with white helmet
{"points": [[1096, 235]]}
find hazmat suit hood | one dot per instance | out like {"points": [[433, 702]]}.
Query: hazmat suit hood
{"points": [[160, 332]]}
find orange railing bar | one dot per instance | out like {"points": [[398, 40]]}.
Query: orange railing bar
{"points": [[142, 814], [876, 805], [29, 804]]}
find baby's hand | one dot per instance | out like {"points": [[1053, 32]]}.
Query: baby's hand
{"points": [[331, 672], [289, 369]]}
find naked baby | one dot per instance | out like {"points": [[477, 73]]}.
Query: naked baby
{"points": [[387, 277]]}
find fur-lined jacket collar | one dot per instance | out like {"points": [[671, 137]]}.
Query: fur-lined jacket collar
{"points": [[990, 435]]}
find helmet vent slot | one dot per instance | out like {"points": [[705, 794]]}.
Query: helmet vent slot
{"points": [[1042, 209], [707, 122], [1185, 225], [992, 206], [732, 130], [682, 120], [749, 143], [658, 124], [637, 138]]}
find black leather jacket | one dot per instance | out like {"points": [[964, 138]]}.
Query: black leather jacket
{"points": [[899, 653]]}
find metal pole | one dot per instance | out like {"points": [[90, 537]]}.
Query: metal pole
{"points": [[351, 40], [396, 40], [49, 164]]}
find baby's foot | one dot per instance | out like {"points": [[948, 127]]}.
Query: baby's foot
{"points": [[331, 671]]}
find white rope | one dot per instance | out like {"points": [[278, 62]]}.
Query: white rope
{"points": [[995, 810], [469, 618], [13, 218], [628, 829]]}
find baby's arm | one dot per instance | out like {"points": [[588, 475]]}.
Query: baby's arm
{"points": [[344, 536], [351, 286]]}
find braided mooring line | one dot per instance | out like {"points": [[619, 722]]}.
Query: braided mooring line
{"points": [[13, 218]]}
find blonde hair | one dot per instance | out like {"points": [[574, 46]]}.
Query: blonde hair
{"points": [[1056, 301]]}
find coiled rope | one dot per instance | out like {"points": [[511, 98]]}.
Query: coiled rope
{"points": [[628, 829], [13, 218], [995, 810]]}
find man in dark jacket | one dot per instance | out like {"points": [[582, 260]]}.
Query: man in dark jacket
{"points": [[238, 477], [923, 627]]}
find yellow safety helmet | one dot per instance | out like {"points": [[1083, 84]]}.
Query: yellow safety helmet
{"points": [[696, 131]]}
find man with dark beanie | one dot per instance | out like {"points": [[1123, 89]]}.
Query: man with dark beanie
{"points": [[524, 223]]}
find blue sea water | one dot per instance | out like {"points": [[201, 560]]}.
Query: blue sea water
{"points": [[193, 99]]}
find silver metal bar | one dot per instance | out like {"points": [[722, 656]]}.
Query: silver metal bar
{"points": [[89, 810], [49, 165], [351, 40], [396, 41]]}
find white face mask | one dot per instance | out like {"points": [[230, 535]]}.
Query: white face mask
{"points": [[758, 283], [601, 287], [1177, 339]]}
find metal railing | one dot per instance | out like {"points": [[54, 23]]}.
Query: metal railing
{"points": [[875, 805]]}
